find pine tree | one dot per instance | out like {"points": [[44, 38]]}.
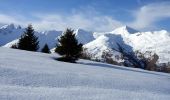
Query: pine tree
{"points": [[28, 40], [45, 49], [69, 47]]}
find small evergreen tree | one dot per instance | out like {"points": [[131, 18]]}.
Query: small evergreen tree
{"points": [[45, 49], [28, 40], [69, 47]]}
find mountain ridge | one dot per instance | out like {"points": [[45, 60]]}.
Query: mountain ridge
{"points": [[131, 39]]}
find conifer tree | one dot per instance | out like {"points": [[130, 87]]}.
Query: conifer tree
{"points": [[28, 40], [45, 49], [69, 47]]}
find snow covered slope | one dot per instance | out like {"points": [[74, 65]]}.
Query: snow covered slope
{"points": [[157, 42], [36, 76], [104, 43]]}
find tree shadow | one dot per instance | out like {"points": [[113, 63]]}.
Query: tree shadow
{"points": [[124, 68], [61, 59]]}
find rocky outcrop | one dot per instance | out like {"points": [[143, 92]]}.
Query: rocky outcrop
{"points": [[151, 65]]}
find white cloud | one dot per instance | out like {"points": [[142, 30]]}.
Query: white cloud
{"points": [[8, 19], [77, 20], [148, 15], [89, 21], [5, 19]]}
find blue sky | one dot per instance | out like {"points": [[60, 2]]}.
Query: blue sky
{"points": [[93, 15]]}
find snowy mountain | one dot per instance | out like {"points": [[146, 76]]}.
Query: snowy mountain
{"points": [[123, 31], [97, 43], [38, 76], [132, 40]]}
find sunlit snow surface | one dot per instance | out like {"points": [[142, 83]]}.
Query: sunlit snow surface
{"points": [[36, 76]]}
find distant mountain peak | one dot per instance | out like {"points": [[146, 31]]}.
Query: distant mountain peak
{"points": [[79, 30], [125, 29], [83, 36], [11, 26], [19, 27]]}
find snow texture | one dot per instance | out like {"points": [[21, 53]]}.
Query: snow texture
{"points": [[36, 76]]}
